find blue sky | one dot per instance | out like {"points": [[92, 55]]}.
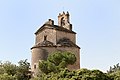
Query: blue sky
{"points": [[97, 23]]}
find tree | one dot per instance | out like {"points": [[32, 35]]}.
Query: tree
{"points": [[6, 76], [114, 72], [59, 58], [81, 74], [56, 61], [9, 71], [9, 68], [55, 69], [23, 72], [98, 75], [114, 68], [47, 67], [114, 75]]}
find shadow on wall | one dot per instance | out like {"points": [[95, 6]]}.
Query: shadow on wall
{"points": [[44, 54]]}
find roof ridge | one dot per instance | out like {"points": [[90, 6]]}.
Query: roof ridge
{"points": [[60, 28]]}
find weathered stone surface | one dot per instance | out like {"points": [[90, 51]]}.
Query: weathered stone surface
{"points": [[51, 38]]}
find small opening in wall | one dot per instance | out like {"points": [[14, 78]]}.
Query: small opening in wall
{"points": [[34, 66], [45, 37], [62, 21]]}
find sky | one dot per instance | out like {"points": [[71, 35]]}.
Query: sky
{"points": [[96, 22]]}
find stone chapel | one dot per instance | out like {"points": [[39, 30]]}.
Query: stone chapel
{"points": [[51, 38]]}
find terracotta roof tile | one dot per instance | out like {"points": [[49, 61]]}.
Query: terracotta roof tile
{"points": [[56, 27]]}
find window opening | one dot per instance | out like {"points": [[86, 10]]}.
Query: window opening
{"points": [[45, 37], [34, 66]]}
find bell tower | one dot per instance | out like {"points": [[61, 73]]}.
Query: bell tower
{"points": [[64, 21]]}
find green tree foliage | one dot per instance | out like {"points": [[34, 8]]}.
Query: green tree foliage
{"points": [[114, 75], [114, 72], [114, 68], [5, 76], [55, 69], [59, 58], [56, 61], [8, 68], [23, 72], [47, 67], [81, 74], [55, 58], [9, 71]]}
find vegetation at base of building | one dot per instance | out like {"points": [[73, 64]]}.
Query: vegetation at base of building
{"points": [[81, 74], [56, 61], [9, 71], [54, 68]]}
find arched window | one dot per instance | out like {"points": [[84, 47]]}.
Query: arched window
{"points": [[62, 21]]}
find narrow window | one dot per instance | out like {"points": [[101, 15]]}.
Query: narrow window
{"points": [[45, 37], [34, 66]]}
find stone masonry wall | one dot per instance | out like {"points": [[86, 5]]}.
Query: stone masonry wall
{"points": [[51, 36], [70, 36], [42, 53]]}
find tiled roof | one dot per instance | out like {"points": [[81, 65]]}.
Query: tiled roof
{"points": [[44, 43], [56, 27], [61, 43], [66, 42]]}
